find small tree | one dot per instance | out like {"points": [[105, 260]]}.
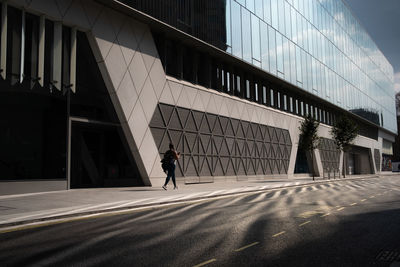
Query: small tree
{"points": [[309, 139], [344, 131]]}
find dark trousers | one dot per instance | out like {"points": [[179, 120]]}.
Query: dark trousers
{"points": [[171, 174]]}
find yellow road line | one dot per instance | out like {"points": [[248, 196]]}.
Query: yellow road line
{"points": [[304, 223], [243, 248], [371, 196], [352, 204], [205, 263], [25, 227], [362, 200], [327, 214], [278, 234], [339, 209]]}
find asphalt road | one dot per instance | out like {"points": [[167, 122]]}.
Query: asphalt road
{"points": [[345, 223]]}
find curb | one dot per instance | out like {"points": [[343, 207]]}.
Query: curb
{"points": [[172, 202]]}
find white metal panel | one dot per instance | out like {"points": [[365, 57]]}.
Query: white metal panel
{"points": [[72, 64], [3, 54], [57, 56], [42, 32]]}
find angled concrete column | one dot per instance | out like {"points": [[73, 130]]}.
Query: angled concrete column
{"points": [[42, 32], [3, 54], [72, 72], [22, 64], [341, 163], [57, 56], [318, 169]]}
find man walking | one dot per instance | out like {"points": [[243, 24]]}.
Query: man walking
{"points": [[171, 155]]}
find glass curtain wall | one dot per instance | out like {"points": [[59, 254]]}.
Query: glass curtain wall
{"points": [[318, 46]]}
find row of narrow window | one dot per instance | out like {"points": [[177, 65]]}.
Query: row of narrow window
{"points": [[36, 50], [186, 63]]}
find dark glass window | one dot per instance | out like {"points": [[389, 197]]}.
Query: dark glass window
{"points": [[187, 69], [33, 132], [272, 98], [172, 62], [238, 89], [247, 89], [264, 101], [256, 92], [203, 70], [285, 102], [278, 100]]}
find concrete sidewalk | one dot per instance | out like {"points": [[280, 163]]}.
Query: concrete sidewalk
{"points": [[36, 207]]}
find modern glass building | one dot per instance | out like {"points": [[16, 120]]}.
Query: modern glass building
{"points": [[94, 91], [317, 46]]}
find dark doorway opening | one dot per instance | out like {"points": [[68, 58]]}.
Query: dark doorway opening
{"points": [[100, 158], [301, 165]]}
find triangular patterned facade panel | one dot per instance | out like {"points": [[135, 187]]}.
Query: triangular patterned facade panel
{"points": [[218, 128], [218, 141], [230, 143], [191, 139], [329, 155], [190, 123], [198, 118], [183, 116], [268, 150], [206, 144], [241, 170], [268, 166], [230, 167], [250, 166], [265, 133], [179, 170], [157, 119], [218, 168], [166, 111], [214, 145], [175, 138], [204, 125], [241, 148], [174, 122], [273, 134], [224, 149], [235, 126], [240, 132], [158, 135], [229, 131], [224, 123], [205, 166], [191, 169], [259, 167], [212, 120], [287, 137]]}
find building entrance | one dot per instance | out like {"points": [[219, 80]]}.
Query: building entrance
{"points": [[99, 157]]}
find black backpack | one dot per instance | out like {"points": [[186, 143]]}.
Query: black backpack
{"points": [[168, 160]]}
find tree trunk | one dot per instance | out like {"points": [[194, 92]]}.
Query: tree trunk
{"points": [[312, 165], [344, 164]]}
